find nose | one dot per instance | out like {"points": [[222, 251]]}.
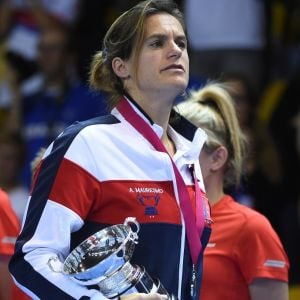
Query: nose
{"points": [[174, 50]]}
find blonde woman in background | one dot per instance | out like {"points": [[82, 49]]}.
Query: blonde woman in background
{"points": [[244, 258]]}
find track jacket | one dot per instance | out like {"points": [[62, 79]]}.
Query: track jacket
{"points": [[95, 174]]}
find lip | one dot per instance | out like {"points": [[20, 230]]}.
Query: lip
{"points": [[174, 67]]}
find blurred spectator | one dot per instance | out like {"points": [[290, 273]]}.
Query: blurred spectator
{"points": [[9, 88], [53, 98], [93, 20], [262, 169], [21, 24], [284, 38], [12, 156], [279, 109], [296, 122], [89, 28], [9, 230], [244, 97], [227, 36]]}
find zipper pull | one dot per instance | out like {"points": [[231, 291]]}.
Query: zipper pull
{"points": [[193, 282]]}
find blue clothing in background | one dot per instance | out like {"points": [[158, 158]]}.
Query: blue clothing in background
{"points": [[45, 117]]}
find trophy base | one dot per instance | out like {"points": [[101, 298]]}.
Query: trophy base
{"points": [[131, 279]]}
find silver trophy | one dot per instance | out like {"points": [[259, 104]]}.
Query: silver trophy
{"points": [[103, 259]]}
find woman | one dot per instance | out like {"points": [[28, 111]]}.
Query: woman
{"points": [[9, 229], [244, 258], [98, 172]]}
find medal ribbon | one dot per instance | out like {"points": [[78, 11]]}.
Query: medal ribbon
{"points": [[194, 222]]}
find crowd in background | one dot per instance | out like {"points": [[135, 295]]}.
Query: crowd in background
{"points": [[45, 53]]}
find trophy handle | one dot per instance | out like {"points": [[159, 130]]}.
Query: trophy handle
{"points": [[135, 228]]}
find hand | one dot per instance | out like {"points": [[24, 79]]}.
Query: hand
{"points": [[140, 296]]}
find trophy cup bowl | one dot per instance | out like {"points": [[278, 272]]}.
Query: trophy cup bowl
{"points": [[103, 259], [102, 253]]}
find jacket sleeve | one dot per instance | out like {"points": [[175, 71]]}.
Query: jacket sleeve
{"points": [[51, 218]]}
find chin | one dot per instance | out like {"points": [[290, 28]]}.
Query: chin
{"points": [[180, 85], [176, 86]]}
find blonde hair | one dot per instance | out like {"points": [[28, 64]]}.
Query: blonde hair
{"points": [[211, 108], [37, 160], [124, 39]]}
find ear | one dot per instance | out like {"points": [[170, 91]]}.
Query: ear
{"points": [[120, 67], [219, 158]]}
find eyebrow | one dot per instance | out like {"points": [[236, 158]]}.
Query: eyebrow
{"points": [[164, 37]]}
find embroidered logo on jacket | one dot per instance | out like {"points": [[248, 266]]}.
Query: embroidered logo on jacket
{"points": [[149, 198], [150, 202]]}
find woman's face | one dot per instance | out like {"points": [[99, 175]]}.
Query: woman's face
{"points": [[163, 64]]}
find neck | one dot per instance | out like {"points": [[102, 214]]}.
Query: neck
{"points": [[159, 115], [214, 188], [156, 105], [169, 144]]}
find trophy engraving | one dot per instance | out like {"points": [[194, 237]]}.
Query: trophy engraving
{"points": [[103, 259]]}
